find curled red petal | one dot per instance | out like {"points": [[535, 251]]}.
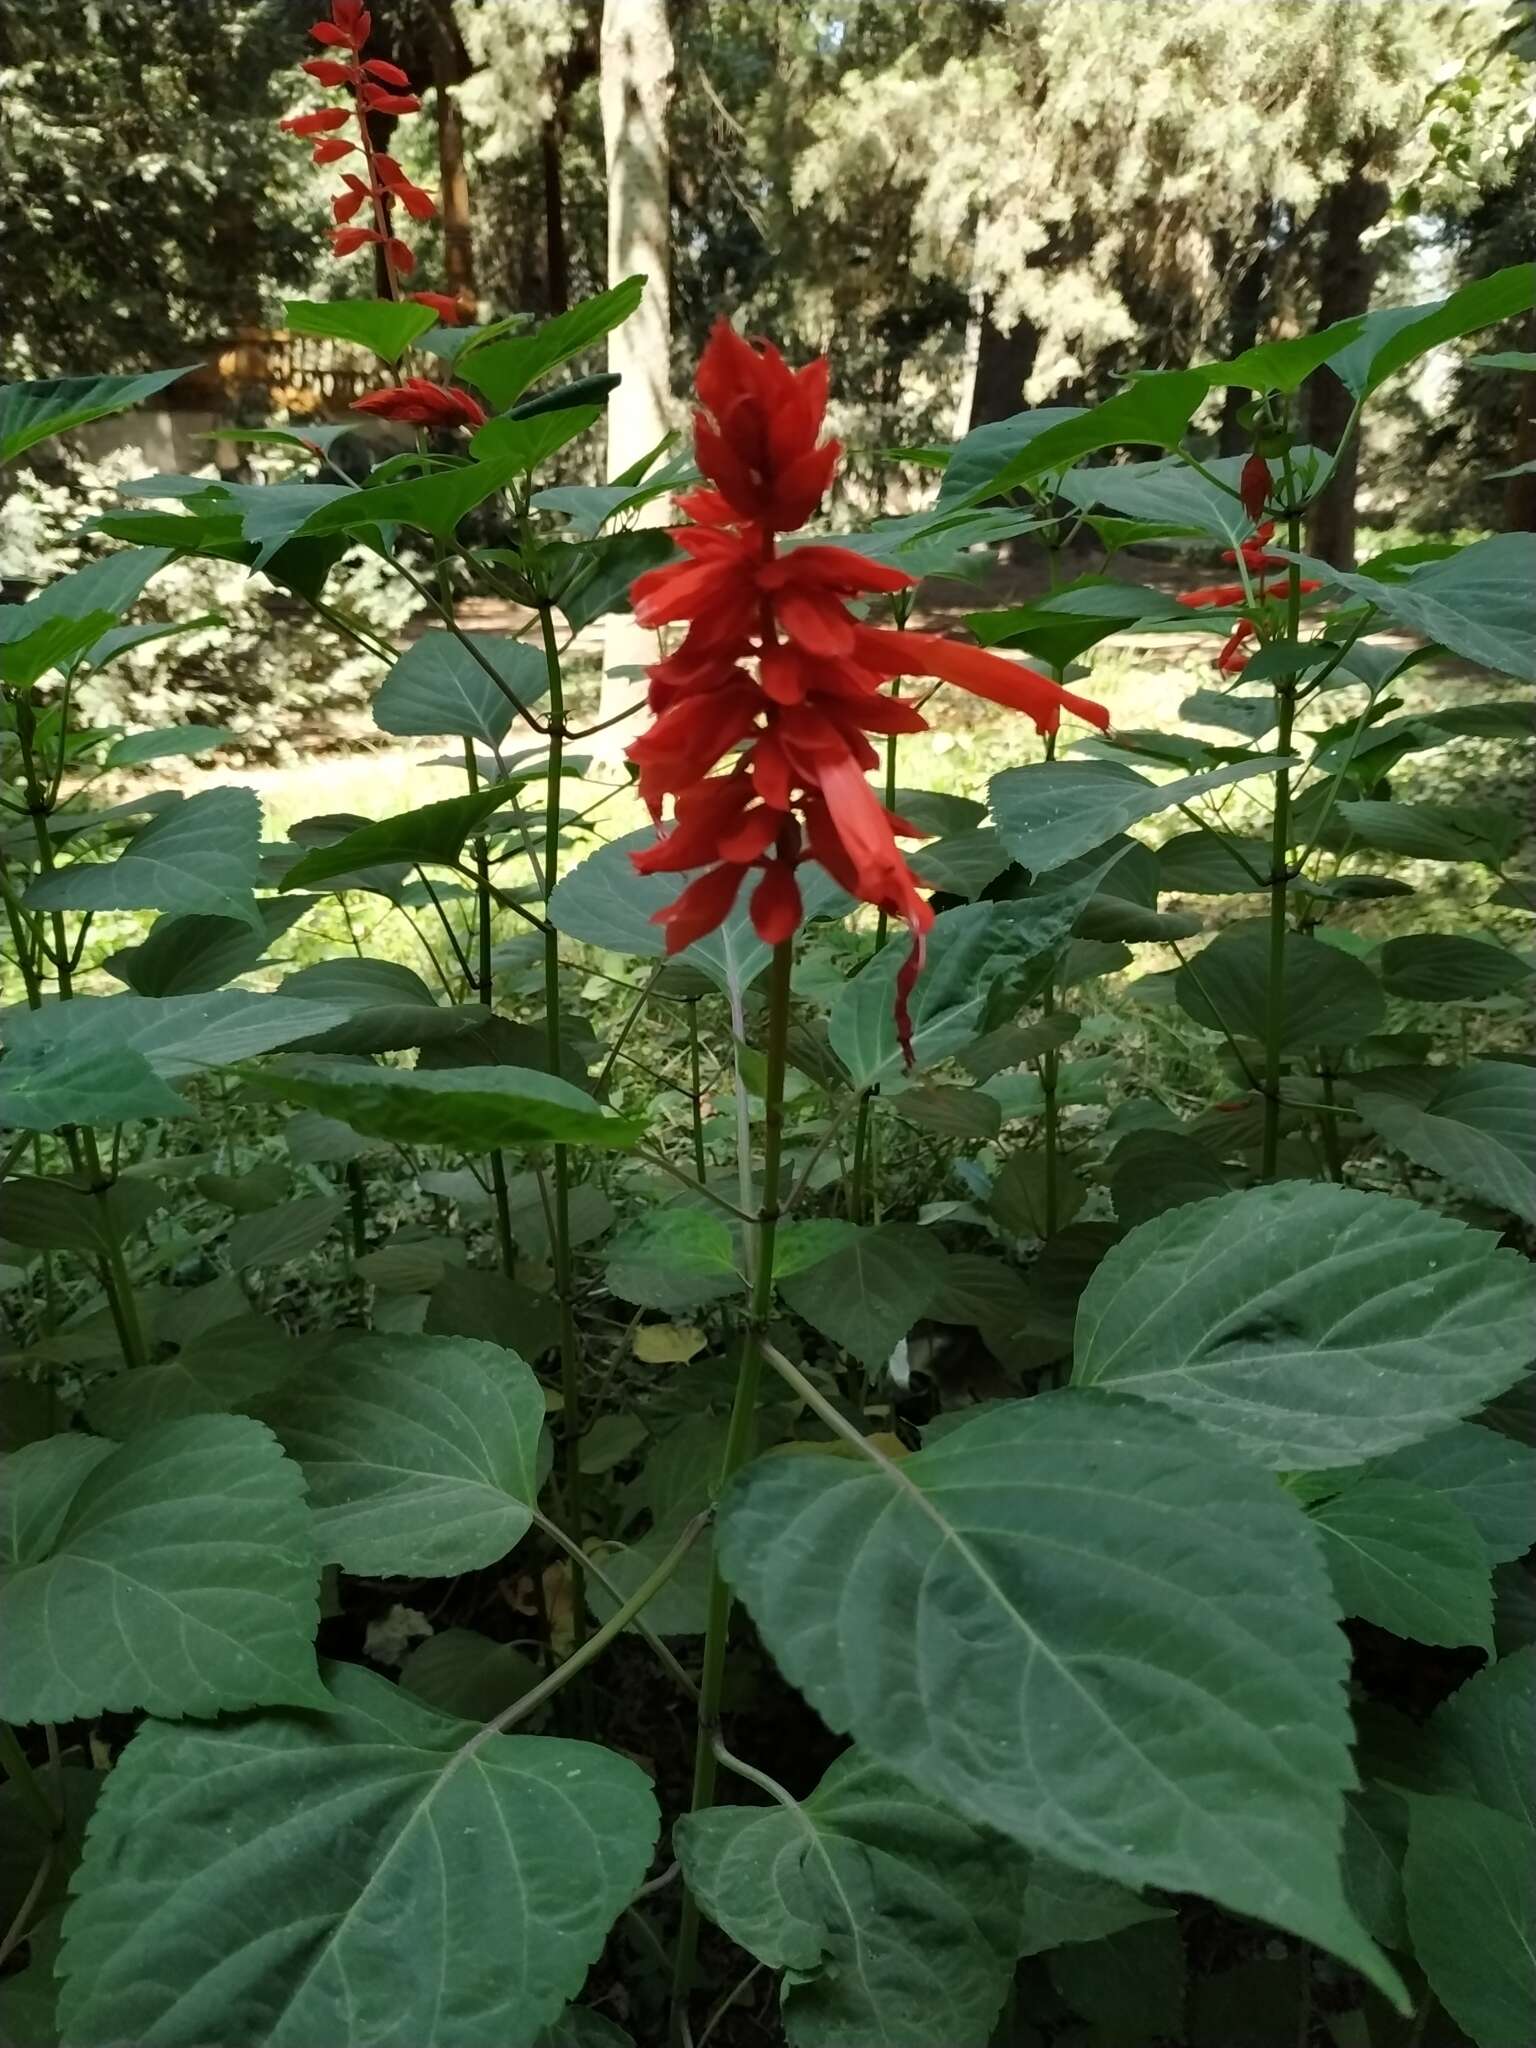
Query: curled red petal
{"points": [[320, 122], [346, 204], [446, 309], [386, 73], [331, 151], [345, 240], [988, 675], [702, 908], [378, 101], [400, 256], [334, 38], [776, 908], [328, 70]]}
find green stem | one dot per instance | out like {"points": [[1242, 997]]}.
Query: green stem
{"points": [[1050, 1064], [120, 1293], [480, 983], [1328, 1122], [29, 1786], [740, 1435], [696, 1090], [1279, 857], [357, 1196], [863, 1137]]}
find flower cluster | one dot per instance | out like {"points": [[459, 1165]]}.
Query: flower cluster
{"points": [[1231, 660], [797, 721], [377, 87]]}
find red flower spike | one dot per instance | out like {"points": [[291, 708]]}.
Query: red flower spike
{"points": [[318, 123], [1253, 486], [328, 71], [418, 403], [332, 151], [801, 724], [446, 309], [387, 74]]}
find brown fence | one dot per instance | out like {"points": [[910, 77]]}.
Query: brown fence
{"points": [[253, 374]]}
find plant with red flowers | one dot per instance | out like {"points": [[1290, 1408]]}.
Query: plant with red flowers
{"points": [[695, 1337]]}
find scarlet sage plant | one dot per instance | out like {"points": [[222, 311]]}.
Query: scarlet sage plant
{"points": [[798, 729], [581, 1381]]}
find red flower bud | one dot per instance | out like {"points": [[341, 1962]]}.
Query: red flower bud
{"points": [[328, 71], [418, 403], [387, 74], [353, 21], [317, 123], [1253, 486], [446, 309], [378, 101], [330, 152]]}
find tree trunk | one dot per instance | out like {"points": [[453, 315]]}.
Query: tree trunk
{"points": [[557, 270], [1248, 288], [1003, 359], [635, 79], [1348, 269]]}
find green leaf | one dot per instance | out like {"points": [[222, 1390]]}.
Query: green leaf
{"points": [[1408, 1560], [430, 835], [135, 748], [34, 412], [202, 856], [194, 955], [1130, 1984], [1018, 1198], [386, 326], [525, 443], [1389, 340], [978, 957], [52, 643], [390, 1007], [1326, 997], [963, 1113], [1485, 1734], [1199, 864], [1253, 717], [971, 464], [1473, 602], [421, 1453], [869, 1292], [1057, 628], [1157, 1170], [471, 1109], [964, 865], [1471, 832], [228, 1367], [1489, 1476], [1470, 1883], [1064, 1905], [894, 1919], [1474, 1125], [177, 1573], [107, 1059], [57, 1215], [434, 503], [437, 688], [674, 1259], [508, 1861], [467, 1675], [503, 370], [1437, 967], [1156, 408], [1150, 1611], [1052, 811], [272, 1237], [1310, 1326], [598, 580], [1170, 492]]}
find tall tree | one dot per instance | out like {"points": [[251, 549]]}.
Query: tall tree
{"points": [[1347, 268], [635, 86], [449, 67]]}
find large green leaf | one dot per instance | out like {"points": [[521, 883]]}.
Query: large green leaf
{"points": [[421, 1453], [1474, 1125], [1472, 832], [1156, 408], [674, 1259], [437, 687], [203, 857], [227, 1367], [1051, 811], [525, 443], [1203, 502], [1408, 1560], [1057, 628], [176, 1573], [1326, 996], [1311, 1326], [34, 412], [1489, 1476], [133, 749], [271, 1237], [1474, 602], [978, 958], [386, 326], [985, 452], [1085, 1625], [430, 835], [893, 1919], [107, 1059], [51, 643], [1469, 1879], [472, 1109], [391, 1007], [503, 370], [356, 1877], [110, 584], [1389, 340], [870, 1290], [1438, 967], [1485, 1736], [435, 503]]}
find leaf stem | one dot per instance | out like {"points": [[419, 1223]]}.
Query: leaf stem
{"points": [[696, 1090], [740, 1437], [573, 1551], [1279, 855]]}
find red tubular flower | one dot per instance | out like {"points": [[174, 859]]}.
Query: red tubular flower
{"points": [[378, 101], [329, 152], [318, 123], [328, 71], [1253, 486], [417, 403], [446, 309], [802, 722], [387, 74], [1231, 660]]}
